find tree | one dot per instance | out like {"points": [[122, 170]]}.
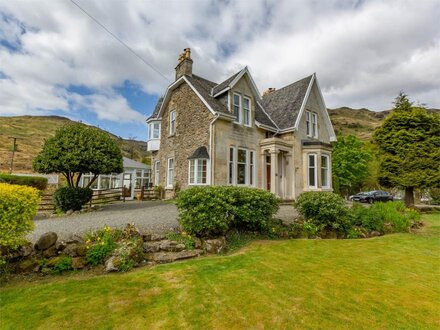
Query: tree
{"points": [[409, 146], [77, 149], [350, 163]]}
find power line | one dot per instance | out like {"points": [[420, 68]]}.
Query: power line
{"points": [[118, 39]]}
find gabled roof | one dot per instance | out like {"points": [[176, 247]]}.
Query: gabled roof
{"points": [[218, 88], [156, 108], [284, 105]]}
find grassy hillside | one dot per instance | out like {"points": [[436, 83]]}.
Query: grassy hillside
{"points": [[31, 132]]}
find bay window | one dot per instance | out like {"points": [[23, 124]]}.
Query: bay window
{"points": [[311, 173], [154, 130], [242, 162], [198, 169], [325, 178]]}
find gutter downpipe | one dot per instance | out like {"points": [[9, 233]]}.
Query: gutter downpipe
{"points": [[211, 142]]}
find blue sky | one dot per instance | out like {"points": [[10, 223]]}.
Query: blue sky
{"points": [[54, 60]]}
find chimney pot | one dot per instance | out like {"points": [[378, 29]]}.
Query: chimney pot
{"points": [[269, 90], [184, 64]]}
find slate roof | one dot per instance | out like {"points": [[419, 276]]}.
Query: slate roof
{"points": [[283, 105], [130, 163], [200, 153], [224, 84]]}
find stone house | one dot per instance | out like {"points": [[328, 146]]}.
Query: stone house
{"points": [[205, 133]]}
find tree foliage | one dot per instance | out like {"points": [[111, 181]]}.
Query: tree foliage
{"points": [[77, 149], [409, 145], [350, 163]]}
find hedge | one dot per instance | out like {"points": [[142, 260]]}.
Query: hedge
{"points": [[33, 181], [71, 198], [18, 206], [210, 211]]}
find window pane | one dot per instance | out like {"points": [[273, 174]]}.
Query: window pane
{"points": [[324, 161], [311, 176], [204, 167], [311, 160], [251, 168], [231, 154], [191, 171], [237, 107], [241, 156], [231, 173], [241, 173]]}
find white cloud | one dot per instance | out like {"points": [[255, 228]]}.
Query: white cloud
{"points": [[364, 52]]}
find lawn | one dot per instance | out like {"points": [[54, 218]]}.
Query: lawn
{"points": [[389, 282]]}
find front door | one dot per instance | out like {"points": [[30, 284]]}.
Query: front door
{"points": [[268, 174]]}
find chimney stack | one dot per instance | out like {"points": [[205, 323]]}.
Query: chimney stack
{"points": [[184, 65], [268, 91]]}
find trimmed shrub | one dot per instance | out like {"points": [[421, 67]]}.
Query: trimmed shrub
{"points": [[18, 206], [384, 217], [71, 198], [32, 181], [325, 210], [210, 211]]}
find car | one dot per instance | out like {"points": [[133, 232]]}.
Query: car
{"points": [[374, 196], [357, 197]]}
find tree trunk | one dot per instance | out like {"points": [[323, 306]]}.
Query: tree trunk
{"points": [[409, 196]]}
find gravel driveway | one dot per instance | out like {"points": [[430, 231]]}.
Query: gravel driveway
{"points": [[155, 216]]}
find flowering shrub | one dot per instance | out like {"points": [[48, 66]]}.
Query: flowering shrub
{"points": [[18, 206], [100, 244]]}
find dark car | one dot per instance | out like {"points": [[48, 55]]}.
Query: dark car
{"points": [[357, 197], [375, 196]]}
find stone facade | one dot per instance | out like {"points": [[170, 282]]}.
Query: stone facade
{"points": [[192, 131]]}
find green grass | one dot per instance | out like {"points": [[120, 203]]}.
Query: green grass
{"points": [[389, 282]]}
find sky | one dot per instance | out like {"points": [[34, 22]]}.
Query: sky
{"points": [[55, 60]]}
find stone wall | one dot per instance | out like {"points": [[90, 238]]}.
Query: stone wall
{"points": [[192, 131]]}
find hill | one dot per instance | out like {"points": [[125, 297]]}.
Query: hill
{"points": [[31, 132]]}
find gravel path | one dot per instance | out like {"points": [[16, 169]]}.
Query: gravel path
{"points": [[155, 216]]}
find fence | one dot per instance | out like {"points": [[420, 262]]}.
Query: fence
{"points": [[102, 196]]}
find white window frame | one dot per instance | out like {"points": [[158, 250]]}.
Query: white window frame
{"points": [[157, 172], [170, 172], [312, 124], [196, 173], [327, 171], [248, 112], [314, 155], [237, 120], [151, 131], [231, 176], [250, 167], [172, 122]]}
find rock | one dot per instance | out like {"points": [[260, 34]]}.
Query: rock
{"points": [[46, 241], [78, 263], [214, 245], [171, 246], [374, 234], [70, 212], [50, 252], [74, 239], [188, 254], [151, 247], [81, 250], [163, 257], [26, 250], [27, 265], [146, 237], [60, 245], [157, 237], [71, 249], [109, 265], [197, 243]]}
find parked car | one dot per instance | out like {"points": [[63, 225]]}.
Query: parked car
{"points": [[373, 196], [357, 197]]}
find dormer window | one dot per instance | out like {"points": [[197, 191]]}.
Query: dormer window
{"points": [[172, 128], [312, 124], [247, 111], [237, 106]]}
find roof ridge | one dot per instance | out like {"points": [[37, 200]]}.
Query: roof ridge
{"points": [[200, 77], [289, 85]]}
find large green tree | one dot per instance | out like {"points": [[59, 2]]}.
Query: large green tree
{"points": [[409, 146], [350, 161], [77, 149]]}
